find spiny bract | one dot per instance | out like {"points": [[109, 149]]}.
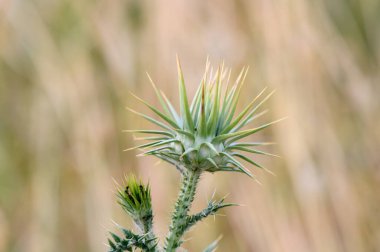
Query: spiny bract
{"points": [[204, 135]]}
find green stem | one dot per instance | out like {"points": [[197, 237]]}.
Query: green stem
{"points": [[146, 227], [153, 243], [185, 198]]}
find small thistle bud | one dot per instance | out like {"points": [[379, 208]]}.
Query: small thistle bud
{"points": [[136, 201]]}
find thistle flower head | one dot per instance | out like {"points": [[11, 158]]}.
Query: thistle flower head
{"points": [[205, 135], [135, 199]]}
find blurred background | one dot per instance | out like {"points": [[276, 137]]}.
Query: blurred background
{"points": [[66, 70]]}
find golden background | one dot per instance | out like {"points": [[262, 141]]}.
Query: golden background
{"points": [[66, 70]]}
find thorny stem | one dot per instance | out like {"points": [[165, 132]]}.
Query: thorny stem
{"points": [[146, 227], [182, 206]]}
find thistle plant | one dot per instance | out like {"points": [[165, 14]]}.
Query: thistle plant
{"points": [[206, 135]]}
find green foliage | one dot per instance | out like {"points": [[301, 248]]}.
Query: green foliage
{"points": [[201, 138], [211, 209], [131, 241]]}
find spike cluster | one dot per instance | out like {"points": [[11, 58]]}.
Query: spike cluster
{"points": [[204, 135], [130, 241]]}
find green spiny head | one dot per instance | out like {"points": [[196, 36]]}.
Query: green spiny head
{"points": [[135, 199], [205, 135]]}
